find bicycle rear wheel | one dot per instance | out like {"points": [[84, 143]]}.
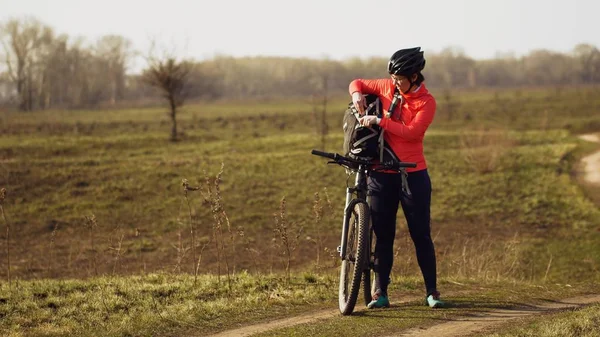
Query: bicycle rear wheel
{"points": [[353, 264]]}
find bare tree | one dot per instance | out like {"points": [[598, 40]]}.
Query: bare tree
{"points": [[321, 81], [115, 51], [170, 77], [588, 59], [22, 40], [5, 88]]}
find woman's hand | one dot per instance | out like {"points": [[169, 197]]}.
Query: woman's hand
{"points": [[369, 120], [359, 102]]}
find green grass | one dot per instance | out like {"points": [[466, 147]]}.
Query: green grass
{"points": [[173, 305], [155, 304], [505, 203], [581, 323], [133, 182]]}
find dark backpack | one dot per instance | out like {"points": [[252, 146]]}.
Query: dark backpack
{"points": [[361, 142]]}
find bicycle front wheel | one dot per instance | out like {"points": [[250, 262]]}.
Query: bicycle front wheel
{"points": [[353, 263], [369, 269]]}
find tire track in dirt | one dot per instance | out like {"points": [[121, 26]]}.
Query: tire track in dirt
{"points": [[291, 321], [464, 325]]}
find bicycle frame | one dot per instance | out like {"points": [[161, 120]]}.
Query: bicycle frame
{"points": [[363, 262], [360, 189]]}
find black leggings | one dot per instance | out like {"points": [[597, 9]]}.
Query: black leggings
{"points": [[386, 193]]}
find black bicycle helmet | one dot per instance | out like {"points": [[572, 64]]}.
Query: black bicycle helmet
{"points": [[406, 62]]}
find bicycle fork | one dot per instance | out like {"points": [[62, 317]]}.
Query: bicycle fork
{"points": [[349, 206]]}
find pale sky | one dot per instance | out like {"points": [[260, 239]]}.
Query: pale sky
{"points": [[324, 28]]}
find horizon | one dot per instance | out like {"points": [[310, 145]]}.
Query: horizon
{"points": [[321, 29]]}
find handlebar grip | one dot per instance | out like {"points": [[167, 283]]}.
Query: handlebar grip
{"points": [[323, 154]]}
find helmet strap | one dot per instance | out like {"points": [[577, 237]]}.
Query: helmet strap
{"points": [[410, 87], [412, 84]]}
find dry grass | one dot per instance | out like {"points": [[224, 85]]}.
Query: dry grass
{"points": [[287, 236], [223, 235], [483, 149], [91, 224]]}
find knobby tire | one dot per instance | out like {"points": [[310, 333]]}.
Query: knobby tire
{"points": [[368, 270], [351, 271]]}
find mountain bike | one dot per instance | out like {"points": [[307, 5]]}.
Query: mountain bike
{"points": [[357, 246]]}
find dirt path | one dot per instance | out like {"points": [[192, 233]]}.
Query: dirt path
{"points": [[461, 326], [591, 162], [291, 321], [278, 324], [456, 326]]}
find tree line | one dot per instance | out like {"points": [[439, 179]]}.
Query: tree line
{"points": [[40, 69]]}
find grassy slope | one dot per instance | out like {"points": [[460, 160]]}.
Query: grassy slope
{"points": [[61, 166], [525, 220]]}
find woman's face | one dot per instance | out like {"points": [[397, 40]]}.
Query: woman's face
{"points": [[402, 82]]}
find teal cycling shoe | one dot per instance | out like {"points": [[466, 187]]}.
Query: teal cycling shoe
{"points": [[379, 301], [434, 301]]}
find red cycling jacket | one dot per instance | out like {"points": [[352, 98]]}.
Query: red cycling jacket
{"points": [[405, 129]]}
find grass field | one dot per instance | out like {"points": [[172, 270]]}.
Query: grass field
{"points": [[173, 305], [583, 323], [99, 194]]}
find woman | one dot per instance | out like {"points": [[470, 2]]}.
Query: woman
{"points": [[405, 126]]}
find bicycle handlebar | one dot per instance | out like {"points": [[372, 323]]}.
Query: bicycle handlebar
{"points": [[333, 156], [339, 159], [398, 165]]}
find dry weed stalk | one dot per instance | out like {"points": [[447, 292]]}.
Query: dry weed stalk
{"points": [[2, 198], [181, 249], [197, 260], [186, 188], [52, 249], [330, 214], [197, 267], [91, 224], [212, 196], [221, 218], [138, 235], [318, 210], [249, 248], [328, 201], [548, 268], [117, 250], [288, 234], [333, 256], [404, 254]]}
